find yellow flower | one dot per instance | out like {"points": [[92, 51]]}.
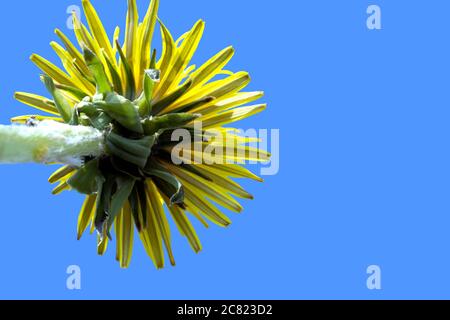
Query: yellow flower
{"points": [[139, 101]]}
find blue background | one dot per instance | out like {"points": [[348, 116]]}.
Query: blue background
{"points": [[365, 164]]}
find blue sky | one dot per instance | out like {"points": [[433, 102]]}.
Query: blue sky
{"points": [[364, 165]]}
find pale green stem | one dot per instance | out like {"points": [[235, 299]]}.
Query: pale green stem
{"points": [[49, 142]]}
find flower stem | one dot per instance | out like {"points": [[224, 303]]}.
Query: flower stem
{"points": [[49, 142]]}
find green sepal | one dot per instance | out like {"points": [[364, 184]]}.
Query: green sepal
{"points": [[77, 93], [171, 98], [124, 187], [98, 71], [141, 147], [142, 194], [130, 90], [195, 135], [97, 118], [122, 110], [135, 210], [194, 105], [98, 97], [168, 190], [102, 212], [153, 60], [101, 121], [75, 120], [85, 179], [191, 168], [168, 121], [87, 108], [136, 152], [117, 82], [61, 103], [177, 190], [112, 149], [151, 78], [124, 167]]}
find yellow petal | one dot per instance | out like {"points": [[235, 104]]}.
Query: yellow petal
{"points": [[168, 53], [182, 59], [92, 230], [236, 100], [206, 208], [239, 139], [125, 236], [225, 72], [152, 238], [217, 120], [60, 174], [160, 217], [188, 71], [184, 226], [38, 102], [205, 188], [131, 35], [229, 85], [63, 186], [80, 81], [242, 154], [181, 38], [85, 39], [102, 245], [52, 71], [115, 39], [118, 230], [233, 171], [74, 53], [86, 214], [239, 156], [97, 29], [82, 34], [148, 26], [24, 119], [208, 70], [220, 89], [224, 183], [198, 216]]}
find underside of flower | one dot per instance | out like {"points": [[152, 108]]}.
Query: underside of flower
{"points": [[137, 101]]}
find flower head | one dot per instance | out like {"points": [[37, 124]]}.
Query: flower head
{"points": [[138, 101]]}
